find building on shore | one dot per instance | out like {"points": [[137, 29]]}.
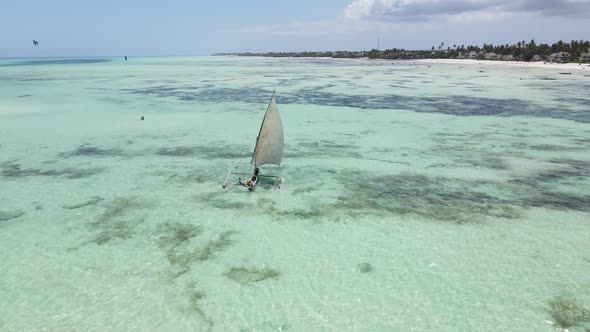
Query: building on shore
{"points": [[492, 56], [560, 57]]}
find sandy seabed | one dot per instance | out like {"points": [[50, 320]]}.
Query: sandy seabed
{"points": [[449, 198]]}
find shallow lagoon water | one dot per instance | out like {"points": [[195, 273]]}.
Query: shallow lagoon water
{"points": [[417, 198]]}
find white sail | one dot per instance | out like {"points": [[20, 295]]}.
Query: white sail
{"points": [[269, 144]]}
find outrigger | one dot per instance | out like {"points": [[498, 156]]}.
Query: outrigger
{"points": [[268, 149]]}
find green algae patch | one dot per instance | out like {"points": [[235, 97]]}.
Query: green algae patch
{"points": [[250, 275], [365, 267], [118, 207], [181, 260], [7, 215], [567, 312], [195, 297], [92, 201], [177, 233]]}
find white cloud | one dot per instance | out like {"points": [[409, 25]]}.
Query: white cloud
{"points": [[452, 21], [420, 10]]}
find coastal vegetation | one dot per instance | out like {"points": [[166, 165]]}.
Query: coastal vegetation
{"points": [[574, 51]]}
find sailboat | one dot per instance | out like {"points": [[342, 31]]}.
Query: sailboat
{"points": [[268, 149]]}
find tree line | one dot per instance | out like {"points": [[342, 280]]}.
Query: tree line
{"points": [[522, 50]]}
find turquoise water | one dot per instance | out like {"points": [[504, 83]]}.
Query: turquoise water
{"points": [[417, 198]]}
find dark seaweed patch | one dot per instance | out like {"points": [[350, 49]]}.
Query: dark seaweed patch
{"points": [[181, 259], [494, 163], [389, 161], [311, 214], [249, 275], [538, 190], [453, 105], [491, 163], [581, 167], [116, 208], [266, 207], [10, 169], [91, 201], [112, 224], [195, 296], [122, 229], [365, 268], [176, 234], [91, 151], [552, 147], [567, 312], [582, 141], [206, 151], [221, 243], [7, 215], [559, 200], [115, 229], [569, 170], [100, 239], [579, 101], [465, 151], [435, 198]]}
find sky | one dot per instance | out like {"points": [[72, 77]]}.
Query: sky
{"points": [[193, 27]]}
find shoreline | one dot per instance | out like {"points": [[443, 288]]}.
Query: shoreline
{"points": [[469, 62], [522, 64]]}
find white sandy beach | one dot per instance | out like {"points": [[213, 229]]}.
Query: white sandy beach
{"points": [[548, 65], [565, 67]]}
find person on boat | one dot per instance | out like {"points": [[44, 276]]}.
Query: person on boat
{"points": [[242, 183], [252, 181], [255, 175], [251, 184]]}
